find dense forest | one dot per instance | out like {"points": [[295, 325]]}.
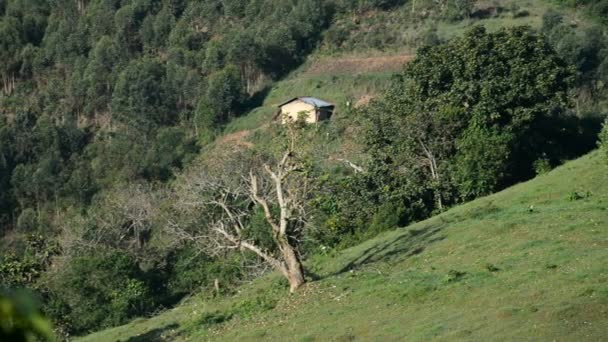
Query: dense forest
{"points": [[109, 110]]}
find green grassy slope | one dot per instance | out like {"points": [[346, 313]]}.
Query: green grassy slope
{"points": [[336, 88], [528, 263]]}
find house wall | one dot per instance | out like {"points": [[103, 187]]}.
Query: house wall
{"points": [[324, 114], [291, 111]]}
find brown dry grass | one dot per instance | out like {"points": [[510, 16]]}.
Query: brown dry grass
{"points": [[358, 65], [237, 139]]}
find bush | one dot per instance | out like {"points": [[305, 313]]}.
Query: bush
{"points": [[249, 308], [192, 271], [389, 216], [542, 166], [27, 220], [33, 257], [459, 10], [102, 289], [603, 141]]}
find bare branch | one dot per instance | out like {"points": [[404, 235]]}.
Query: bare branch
{"points": [[351, 164]]}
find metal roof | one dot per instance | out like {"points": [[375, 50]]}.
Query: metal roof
{"points": [[318, 103]]}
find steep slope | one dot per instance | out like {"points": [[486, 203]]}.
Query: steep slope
{"points": [[527, 263]]}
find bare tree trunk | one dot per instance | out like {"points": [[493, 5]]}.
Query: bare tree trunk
{"points": [[354, 166], [8, 83], [276, 189], [216, 287], [434, 173], [292, 265], [295, 272], [80, 6]]}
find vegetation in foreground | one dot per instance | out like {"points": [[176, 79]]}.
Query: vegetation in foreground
{"points": [[520, 264]]}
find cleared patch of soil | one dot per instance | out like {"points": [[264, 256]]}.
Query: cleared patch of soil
{"points": [[236, 139], [364, 100], [358, 65]]}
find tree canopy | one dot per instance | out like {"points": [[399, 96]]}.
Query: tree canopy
{"points": [[462, 120]]}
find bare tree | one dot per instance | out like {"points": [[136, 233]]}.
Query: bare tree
{"points": [[291, 210], [223, 200], [121, 218]]}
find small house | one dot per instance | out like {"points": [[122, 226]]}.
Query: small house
{"points": [[309, 109]]}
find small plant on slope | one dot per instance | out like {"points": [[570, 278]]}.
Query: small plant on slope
{"points": [[603, 142]]}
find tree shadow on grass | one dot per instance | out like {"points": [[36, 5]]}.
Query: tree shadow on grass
{"points": [[256, 100], [155, 335], [407, 244]]}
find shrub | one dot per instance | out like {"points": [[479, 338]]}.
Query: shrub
{"points": [[212, 318], [192, 271], [458, 10], [249, 308], [102, 289], [603, 141], [389, 216], [27, 220], [542, 166], [33, 258]]}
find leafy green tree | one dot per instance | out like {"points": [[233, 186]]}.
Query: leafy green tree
{"points": [[465, 118], [31, 62], [244, 52], [224, 96], [185, 33], [127, 21], [99, 74], [62, 39], [94, 303], [6, 168], [458, 9], [81, 184], [156, 29], [140, 95], [98, 20], [215, 56], [10, 45], [170, 150], [32, 17], [186, 83], [125, 151]]}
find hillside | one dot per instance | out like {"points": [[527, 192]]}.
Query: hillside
{"points": [[523, 264], [353, 72], [132, 132]]}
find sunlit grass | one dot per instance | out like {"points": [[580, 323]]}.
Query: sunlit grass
{"points": [[526, 263]]}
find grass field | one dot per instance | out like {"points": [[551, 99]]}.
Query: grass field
{"points": [[338, 89], [526, 264]]}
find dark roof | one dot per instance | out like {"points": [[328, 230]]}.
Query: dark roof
{"points": [[318, 103]]}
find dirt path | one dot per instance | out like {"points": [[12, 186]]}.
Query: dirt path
{"points": [[239, 138], [357, 65]]}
